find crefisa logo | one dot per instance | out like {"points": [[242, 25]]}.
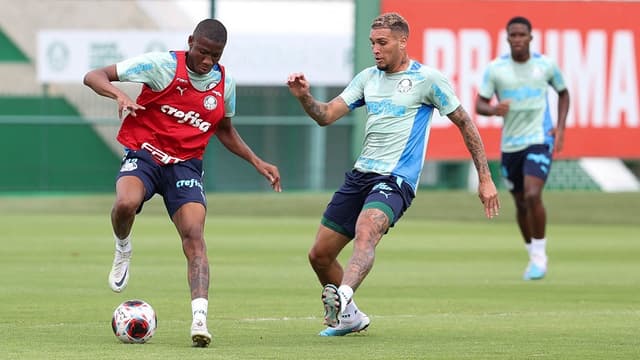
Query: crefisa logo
{"points": [[190, 117]]}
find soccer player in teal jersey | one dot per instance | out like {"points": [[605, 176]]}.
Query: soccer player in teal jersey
{"points": [[400, 96], [520, 82]]}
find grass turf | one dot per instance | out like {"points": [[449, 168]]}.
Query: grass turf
{"points": [[446, 283]]}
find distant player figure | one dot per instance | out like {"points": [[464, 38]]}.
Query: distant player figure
{"points": [[186, 98], [400, 96], [520, 81]]}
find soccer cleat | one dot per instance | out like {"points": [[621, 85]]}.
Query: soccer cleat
{"points": [[360, 323], [199, 334], [332, 305], [119, 275], [534, 272]]}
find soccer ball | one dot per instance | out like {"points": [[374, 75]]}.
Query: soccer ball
{"points": [[134, 322]]}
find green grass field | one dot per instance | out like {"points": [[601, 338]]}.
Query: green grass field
{"points": [[446, 283]]}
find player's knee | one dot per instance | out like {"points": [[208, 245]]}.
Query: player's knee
{"points": [[126, 206], [369, 233], [193, 245], [318, 258], [532, 197], [192, 235], [314, 257]]}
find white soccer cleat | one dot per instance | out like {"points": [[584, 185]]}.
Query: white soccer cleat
{"points": [[348, 324], [119, 275], [199, 334]]}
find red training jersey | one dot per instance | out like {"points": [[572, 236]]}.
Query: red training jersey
{"points": [[178, 121]]}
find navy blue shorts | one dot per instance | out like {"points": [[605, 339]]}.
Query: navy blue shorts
{"points": [[362, 191], [534, 161], [178, 183]]}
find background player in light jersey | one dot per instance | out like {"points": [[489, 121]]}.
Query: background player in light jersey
{"points": [[520, 82], [400, 96], [185, 99]]}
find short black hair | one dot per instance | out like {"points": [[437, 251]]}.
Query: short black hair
{"points": [[519, 20], [211, 29]]}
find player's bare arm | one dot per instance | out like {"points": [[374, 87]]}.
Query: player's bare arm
{"points": [[321, 112], [563, 110], [99, 80], [484, 107], [229, 137], [486, 189], [472, 140]]}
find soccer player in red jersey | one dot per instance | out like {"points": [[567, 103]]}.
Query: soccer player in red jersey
{"points": [[186, 97]]}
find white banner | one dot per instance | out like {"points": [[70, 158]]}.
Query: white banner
{"points": [[65, 56]]}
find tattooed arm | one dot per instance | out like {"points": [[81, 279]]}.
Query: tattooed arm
{"points": [[486, 188], [322, 113]]}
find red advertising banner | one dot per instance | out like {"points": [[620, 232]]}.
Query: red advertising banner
{"points": [[596, 45]]}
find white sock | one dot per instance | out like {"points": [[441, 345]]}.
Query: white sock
{"points": [[123, 244], [528, 246], [539, 247], [346, 291], [199, 307], [538, 252]]}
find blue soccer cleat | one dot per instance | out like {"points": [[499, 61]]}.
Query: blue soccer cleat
{"points": [[360, 323], [534, 272]]}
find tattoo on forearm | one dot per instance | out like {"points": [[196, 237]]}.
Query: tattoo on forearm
{"points": [[472, 139], [199, 277], [313, 108]]}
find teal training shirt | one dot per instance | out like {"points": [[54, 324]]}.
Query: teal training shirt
{"points": [[157, 70], [399, 110], [528, 121]]}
